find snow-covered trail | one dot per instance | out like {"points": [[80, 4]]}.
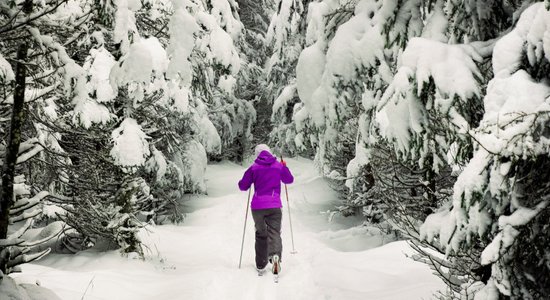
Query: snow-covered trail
{"points": [[199, 259]]}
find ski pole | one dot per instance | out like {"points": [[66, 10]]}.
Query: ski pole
{"points": [[289, 218], [244, 230]]}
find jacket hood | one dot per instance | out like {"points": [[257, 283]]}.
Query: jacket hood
{"points": [[265, 158]]}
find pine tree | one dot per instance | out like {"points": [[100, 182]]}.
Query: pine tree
{"points": [[173, 104], [385, 115], [498, 202], [21, 202], [286, 39], [252, 81], [351, 54], [127, 108]]}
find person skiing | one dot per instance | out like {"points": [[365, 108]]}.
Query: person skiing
{"points": [[266, 173]]}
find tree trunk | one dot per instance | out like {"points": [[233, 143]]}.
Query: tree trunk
{"points": [[14, 138]]}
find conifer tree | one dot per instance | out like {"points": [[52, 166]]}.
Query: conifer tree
{"points": [[25, 85], [499, 202], [286, 39], [127, 107]]}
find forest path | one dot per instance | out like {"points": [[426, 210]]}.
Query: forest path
{"points": [[199, 258]]}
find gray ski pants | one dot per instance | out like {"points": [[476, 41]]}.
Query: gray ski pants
{"points": [[268, 234]]}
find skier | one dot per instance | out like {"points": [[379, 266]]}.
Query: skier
{"points": [[267, 174]]}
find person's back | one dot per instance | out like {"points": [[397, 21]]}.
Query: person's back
{"points": [[267, 174]]}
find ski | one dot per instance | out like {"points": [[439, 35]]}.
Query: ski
{"points": [[276, 278]]}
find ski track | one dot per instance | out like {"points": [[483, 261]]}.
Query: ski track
{"points": [[199, 258]]}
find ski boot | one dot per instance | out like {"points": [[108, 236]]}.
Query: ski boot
{"points": [[276, 267]]}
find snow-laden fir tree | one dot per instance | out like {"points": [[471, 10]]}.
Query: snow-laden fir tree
{"points": [[398, 101], [252, 82], [286, 37], [26, 92], [352, 49], [426, 115], [128, 106], [500, 200], [480, 20], [322, 87], [168, 102]]}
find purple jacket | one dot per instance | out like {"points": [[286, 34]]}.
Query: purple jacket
{"points": [[267, 174]]}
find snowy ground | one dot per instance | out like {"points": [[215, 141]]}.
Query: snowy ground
{"points": [[199, 259]]}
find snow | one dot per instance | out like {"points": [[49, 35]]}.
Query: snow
{"points": [[206, 20], [130, 147], [531, 37], [277, 31], [199, 259], [433, 226], [452, 67], [25, 156], [19, 186], [489, 292], [507, 97], [38, 236], [159, 162], [99, 65], [24, 203], [180, 96], [194, 164], [6, 73], [315, 19], [396, 118], [300, 117], [352, 170], [88, 112], [225, 53], [521, 216], [217, 43], [50, 109], [125, 22], [356, 45], [309, 71], [506, 237], [182, 28], [221, 10], [286, 95], [209, 136], [68, 12], [403, 115], [505, 53], [144, 59], [408, 21], [500, 244], [227, 83], [436, 25], [9, 289], [52, 210], [512, 105], [159, 58]]}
